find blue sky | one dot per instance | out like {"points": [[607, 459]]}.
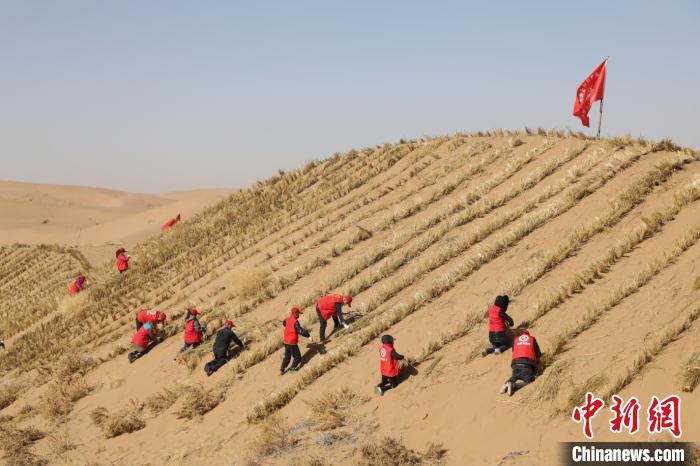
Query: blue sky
{"points": [[158, 96]]}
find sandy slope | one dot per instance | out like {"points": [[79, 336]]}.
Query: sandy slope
{"points": [[93, 219], [450, 400]]}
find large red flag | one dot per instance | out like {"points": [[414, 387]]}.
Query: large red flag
{"points": [[591, 90]]}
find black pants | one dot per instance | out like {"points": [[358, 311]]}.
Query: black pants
{"points": [[138, 324], [337, 320], [289, 352], [497, 340], [524, 372], [220, 358], [388, 383], [188, 346]]}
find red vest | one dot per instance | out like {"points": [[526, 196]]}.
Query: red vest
{"points": [[291, 337], [168, 224], [327, 305], [122, 262], [191, 335], [524, 347], [388, 365], [496, 323], [141, 337], [148, 315], [75, 288]]}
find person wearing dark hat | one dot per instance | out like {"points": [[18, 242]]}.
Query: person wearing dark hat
{"points": [[331, 306], [122, 260], [222, 341], [499, 322], [292, 330], [388, 365], [194, 333]]}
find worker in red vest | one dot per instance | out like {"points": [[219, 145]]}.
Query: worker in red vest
{"points": [[141, 341], [151, 316], [77, 285], [499, 321], [331, 306], [166, 226], [292, 330], [194, 333], [524, 362], [388, 365], [122, 260]]}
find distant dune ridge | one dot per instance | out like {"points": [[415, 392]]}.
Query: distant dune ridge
{"points": [[91, 219], [597, 242]]}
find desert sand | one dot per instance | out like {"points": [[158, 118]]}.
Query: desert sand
{"points": [[92, 219], [596, 242]]}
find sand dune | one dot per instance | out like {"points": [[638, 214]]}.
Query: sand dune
{"points": [[597, 243], [92, 219]]}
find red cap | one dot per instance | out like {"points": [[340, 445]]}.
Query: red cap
{"points": [[193, 312], [296, 311], [229, 323], [348, 300], [120, 250]]}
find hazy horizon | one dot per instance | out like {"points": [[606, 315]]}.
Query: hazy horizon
{"points": [[173, 96]]}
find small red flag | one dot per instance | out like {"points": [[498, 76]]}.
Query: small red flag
{"points": [[591, 90]]}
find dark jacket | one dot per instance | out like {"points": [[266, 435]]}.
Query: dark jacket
{"points": [[223, 339]]}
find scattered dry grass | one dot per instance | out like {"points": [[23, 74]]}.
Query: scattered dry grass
{"points": [[392, 452], [696, 284], [16, 442], [578, 395], [275, 437], [9, 392], [61, 395], [248, 283], [665, 145], [199, 400], [550, 383], [690, 374], [330, 411], [129, 419], [161, 401]]}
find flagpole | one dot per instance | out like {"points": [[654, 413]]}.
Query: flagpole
{"points": [[600, 116]]}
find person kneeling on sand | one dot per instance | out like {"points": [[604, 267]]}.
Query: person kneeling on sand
{"points": [[499, 321], [151, 316], [331, 306], [141, 341], [77, 285], [292, 330], [194, 333], [524, 362], [388, 365], [222, 341]]}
